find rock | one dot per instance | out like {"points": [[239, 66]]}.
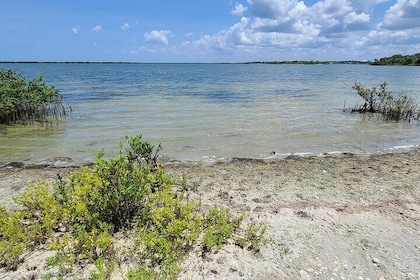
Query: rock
{"points": [[303, 214], [13, 164]]}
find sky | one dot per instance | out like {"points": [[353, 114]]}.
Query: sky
{"points": [[207, 30]]}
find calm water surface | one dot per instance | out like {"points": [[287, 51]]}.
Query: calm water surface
{"points": [[209, 111]]}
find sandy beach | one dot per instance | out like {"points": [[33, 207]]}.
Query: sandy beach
{"points": [[329, 217]]}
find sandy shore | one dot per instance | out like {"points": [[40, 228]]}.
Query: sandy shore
{"points": [[333, 217]]}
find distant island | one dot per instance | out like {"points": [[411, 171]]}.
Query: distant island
{"points": [[309, 62], [398, 59]]}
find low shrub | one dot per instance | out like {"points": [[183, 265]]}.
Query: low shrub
{"points": [[380, 100], [121, 212], [24, 101]]}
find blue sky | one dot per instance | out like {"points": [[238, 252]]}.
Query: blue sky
{"points": [[207, 31]]}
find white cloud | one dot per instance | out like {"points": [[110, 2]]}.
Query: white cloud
{"points": [[239, 10], [353, 17], [125, 26], [327, 27], [331, 18], [271, 9], [158, 36], [405, 14], [96, 28], [76, 30], [286, 29], [356, 22], [326, 17]]}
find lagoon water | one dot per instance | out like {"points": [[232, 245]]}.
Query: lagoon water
{"points": [[212, 111]]}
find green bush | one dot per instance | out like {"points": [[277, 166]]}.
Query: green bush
{"points": [[28, 101], [121, 211], [380, 100]]}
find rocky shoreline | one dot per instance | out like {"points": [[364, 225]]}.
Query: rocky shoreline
{"points": [[330, 217]]}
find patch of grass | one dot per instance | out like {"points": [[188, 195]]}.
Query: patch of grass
{"points": [[122, 215]]}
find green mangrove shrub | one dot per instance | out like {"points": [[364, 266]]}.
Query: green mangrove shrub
{"points": [[123, 212], [24, 101], [380, 100]]}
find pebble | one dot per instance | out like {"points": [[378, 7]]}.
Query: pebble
{"points": [[376, 261], [304, 274]]}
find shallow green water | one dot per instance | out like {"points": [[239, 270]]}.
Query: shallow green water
{"points": [[208, 111]]}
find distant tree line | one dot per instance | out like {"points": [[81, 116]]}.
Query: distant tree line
{"points": [[398, 59], [309, 62]]}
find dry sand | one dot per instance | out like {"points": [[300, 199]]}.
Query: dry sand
{"points": [[331, 217]]}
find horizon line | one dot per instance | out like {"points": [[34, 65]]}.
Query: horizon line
{"points": [[247, 62]]}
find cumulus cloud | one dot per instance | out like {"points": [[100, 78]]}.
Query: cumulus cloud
{"points": [[76, 30], [125, 26], [331, 18], [239, 10], [158, 36], [405, 14], [272, 9], [96, 28], [353, 17], [329, 28], [354, 21], [326, 26]]}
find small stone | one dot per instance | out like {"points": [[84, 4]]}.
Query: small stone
{"points": [[376, 261]]}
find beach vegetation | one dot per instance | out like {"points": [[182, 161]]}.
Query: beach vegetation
{"points": [[122, 215], [255, 237], [379, 100], [23, 101]]}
